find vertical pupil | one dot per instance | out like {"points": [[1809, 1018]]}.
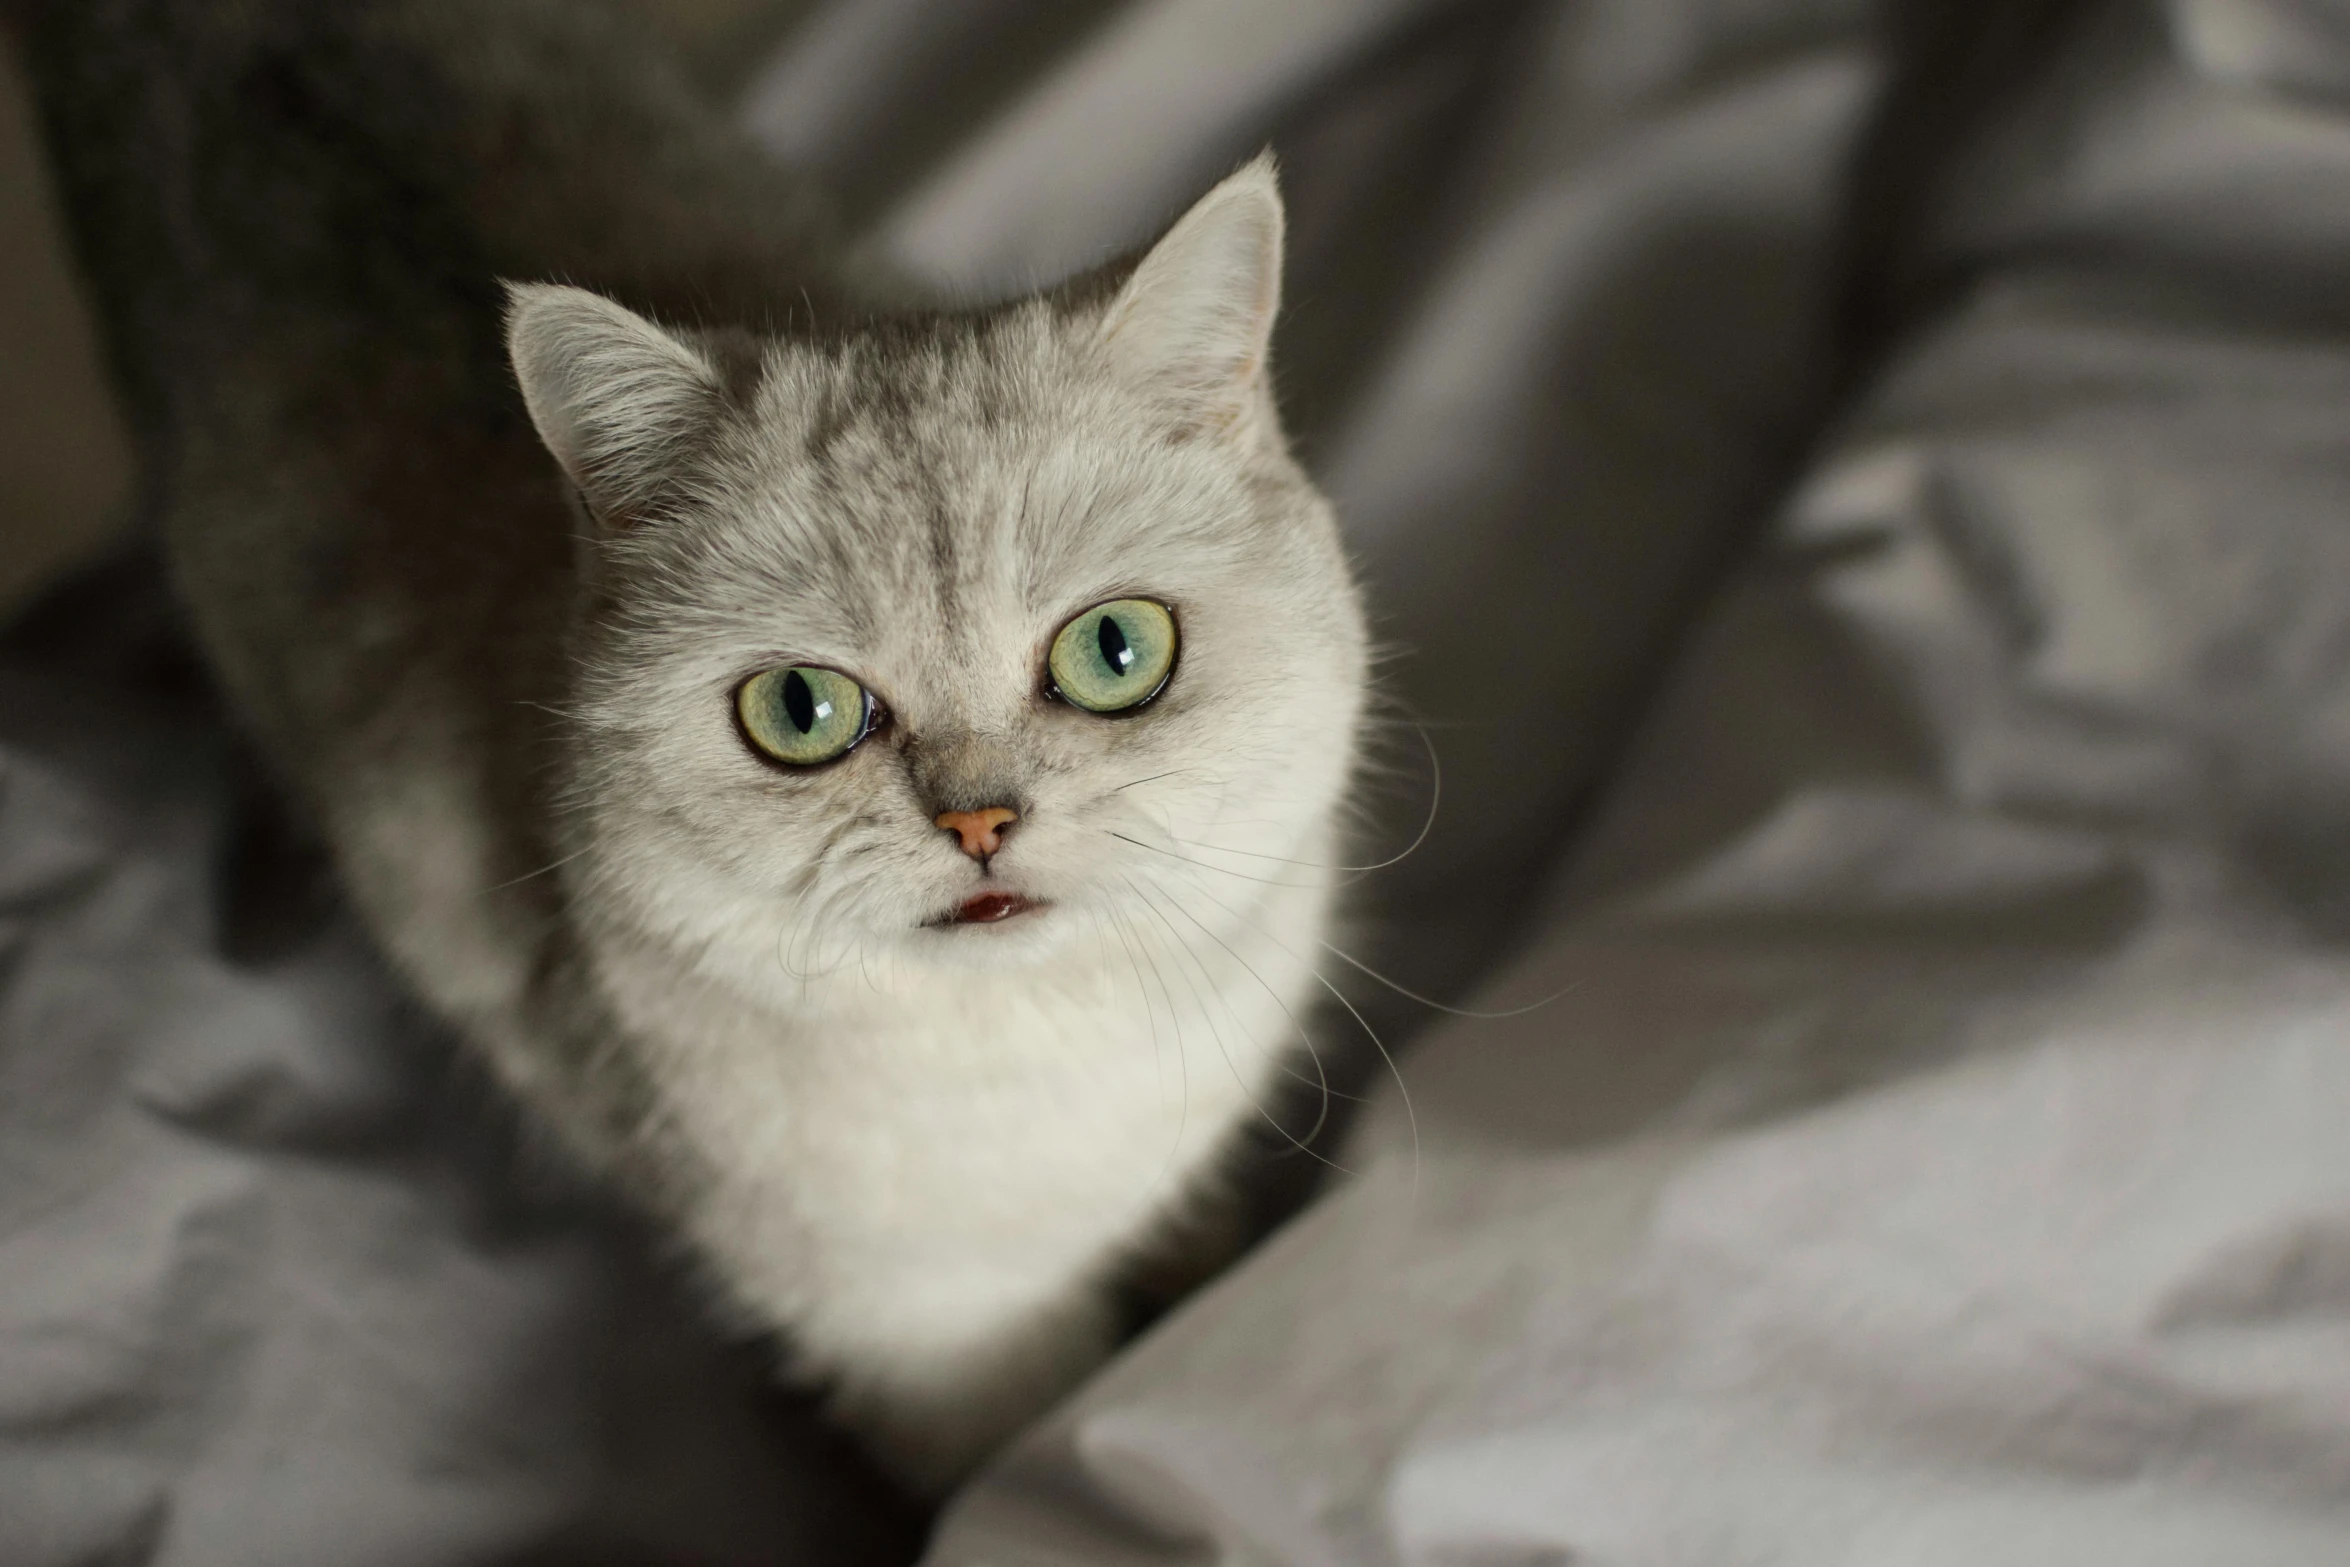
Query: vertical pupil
{"points": [[799, 703], [1115, 651]]}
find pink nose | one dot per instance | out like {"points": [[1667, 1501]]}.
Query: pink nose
{"points": [[981, 832]]}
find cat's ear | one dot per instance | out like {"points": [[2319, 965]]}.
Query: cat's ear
{"points": [[617, 400], [1195, 321]]}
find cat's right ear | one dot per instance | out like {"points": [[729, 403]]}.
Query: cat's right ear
{"points": [[1195, 321], [617, 400]]}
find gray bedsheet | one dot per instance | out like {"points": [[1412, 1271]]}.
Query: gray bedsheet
{"points": [[1863, 500], [280, 1281], [1939, 1153]]}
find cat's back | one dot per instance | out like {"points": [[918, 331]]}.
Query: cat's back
{"points": [[294, 218], [225, 162]]}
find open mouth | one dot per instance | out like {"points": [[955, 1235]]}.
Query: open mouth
{"points": [[990, 908]]}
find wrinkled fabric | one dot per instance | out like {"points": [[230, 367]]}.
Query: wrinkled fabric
{"points": [[1880, 599], [1934, 1150], [279, 1282]]}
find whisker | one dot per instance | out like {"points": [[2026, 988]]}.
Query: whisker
{"points": [[803, 922], [1320, 1080], [1411, 1115], [1296, 1144], [1153, 778], [1199, 865], [806, 920], [1321, 1074], [787, 945], [532, 875], [1213, 1031], [1427, 824], [1218, 1034], [1412, 995], [1347, 957], [1175, 1020], [1109, 917]]}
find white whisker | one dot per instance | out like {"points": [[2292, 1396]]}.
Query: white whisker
{"points": [[1158, 1049], [1411, 1115], [532, 875], [1262, 881], [1218, 1034], [1427, 824], [1321, 1074]]}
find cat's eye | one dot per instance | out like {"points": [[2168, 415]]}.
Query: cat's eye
{"points": [[804, 714], [1115, 656]]}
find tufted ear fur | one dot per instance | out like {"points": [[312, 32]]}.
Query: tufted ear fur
{"points": [[617, 400], [1195, 321]]}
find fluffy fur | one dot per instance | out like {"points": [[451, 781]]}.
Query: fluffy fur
{"points": [[503, 684]]}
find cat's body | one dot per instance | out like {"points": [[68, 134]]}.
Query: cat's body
{"points": [[922, 1148]]}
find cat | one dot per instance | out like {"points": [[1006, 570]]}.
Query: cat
{"points": [[865, 771]]}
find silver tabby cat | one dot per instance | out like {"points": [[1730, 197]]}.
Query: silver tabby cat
{"points": [[873, 790], [920, 680]]}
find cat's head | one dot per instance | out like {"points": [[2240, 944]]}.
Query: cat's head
{"points": [[955, 639]]}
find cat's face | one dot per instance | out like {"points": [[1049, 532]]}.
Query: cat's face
{"points": [[957, 644]]}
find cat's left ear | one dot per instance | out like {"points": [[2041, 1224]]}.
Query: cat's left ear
{"points": [[617, 400], [1195, 321]]}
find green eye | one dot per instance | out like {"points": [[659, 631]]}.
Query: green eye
{"points": [[802, 715], [1115, 655]]}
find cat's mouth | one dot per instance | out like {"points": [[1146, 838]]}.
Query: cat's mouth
{"points": [[988, 908]]}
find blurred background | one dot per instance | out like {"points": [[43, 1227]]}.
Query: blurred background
{"points": [[65, 475]]}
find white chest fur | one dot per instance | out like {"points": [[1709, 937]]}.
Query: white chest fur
{"points": [[927, 1173]]}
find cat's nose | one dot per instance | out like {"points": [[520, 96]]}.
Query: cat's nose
{"points": [[981, 832]]}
